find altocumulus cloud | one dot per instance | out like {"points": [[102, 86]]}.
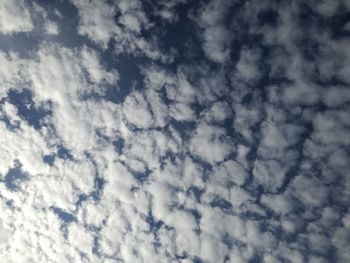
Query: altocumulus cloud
{"points": [[174, 131]]}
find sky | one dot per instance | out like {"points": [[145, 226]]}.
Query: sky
{"points": [[190, 131]]}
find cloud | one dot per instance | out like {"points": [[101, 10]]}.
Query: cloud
{"points": [[3, 236], [238, 155], [181, 112], [15, 17], [247, 68], [51, 28], [96, 21], [122, 22], [219, 112], [211, 144], [136, 111], [13, 75], [216, 36]]}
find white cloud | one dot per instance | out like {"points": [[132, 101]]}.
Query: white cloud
{"points": [[210, 144], [247, 67], [131, 22], [279, 203], [158, 107], [96, 21], [136, 111], [51, 28], [15, 17], [122, 21], [260, 174], [181, 112], [81, 241], [270, 174], [235, 172], [216, 36], [13, 75], [26, 145], [58, 75], [4, 236], [219, 111]]}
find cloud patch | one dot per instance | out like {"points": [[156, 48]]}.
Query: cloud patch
{"points": [[117, 147], [15, 17]]}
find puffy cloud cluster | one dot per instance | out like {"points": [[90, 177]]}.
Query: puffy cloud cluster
{"points": [[216, 36], [25, 17], [238, 156], [120, 23], [15, 17]]}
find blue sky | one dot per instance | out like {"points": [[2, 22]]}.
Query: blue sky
{"points": [[174, 131]]}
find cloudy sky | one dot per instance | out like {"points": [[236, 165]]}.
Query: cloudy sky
{"points": [[174, 131]]}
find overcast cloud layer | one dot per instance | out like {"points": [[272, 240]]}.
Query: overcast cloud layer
{"points": [[174, 131]]}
